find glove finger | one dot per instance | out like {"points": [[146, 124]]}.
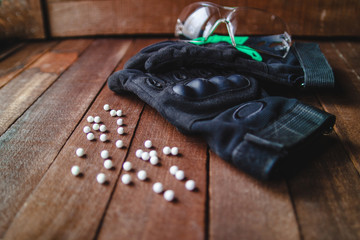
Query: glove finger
{"points": [[139, 59]]}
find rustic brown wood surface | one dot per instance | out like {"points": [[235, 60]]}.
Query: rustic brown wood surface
{"points": [[40, 199], [305, 18]]}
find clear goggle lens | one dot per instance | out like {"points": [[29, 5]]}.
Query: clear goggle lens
{"points": [[266, 32]]}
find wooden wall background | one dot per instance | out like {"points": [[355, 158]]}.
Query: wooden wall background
{"points": [[65, 18]]}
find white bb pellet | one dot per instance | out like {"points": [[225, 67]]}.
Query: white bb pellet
{"points": [[90, 119], [173, 170], [154, 160], [169, 195], [120, 130], [101, 178], [80, 152], [180, 175], [119, 113], [96, 126], [87, 129], [158, 187], [126, 178], [174, 151], [97, 119], [108, 164], [90, 136], [142, 175], [119, 143], [138, 153], [120, 121], [145, 156], [190, 185], [148, 144], [113, 113], [104, 154], [103, 137], [153, 153], [75, 170], [166, 150], [106, 107], [102, 128], [127, 166]]}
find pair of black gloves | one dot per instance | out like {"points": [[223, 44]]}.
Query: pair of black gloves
{"points": [[215, 90]]}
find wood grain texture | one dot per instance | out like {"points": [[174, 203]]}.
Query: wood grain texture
{"points": [[21, 19], [74, 208], [28, 148], [136, 212], [305, 18], [21, 59], [326, 194], [344, 101], [23, 90], [244, 208]]}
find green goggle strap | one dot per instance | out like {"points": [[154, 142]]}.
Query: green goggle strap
{"points": [[239, 40]]}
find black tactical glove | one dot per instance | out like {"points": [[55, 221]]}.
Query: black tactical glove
{"points": [[304, 66], [240, 123]]}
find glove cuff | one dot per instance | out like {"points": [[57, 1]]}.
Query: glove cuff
{"points": [[260, 152], [317, 71]]}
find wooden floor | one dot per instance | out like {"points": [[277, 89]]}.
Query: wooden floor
{"points": [[47, 90]]}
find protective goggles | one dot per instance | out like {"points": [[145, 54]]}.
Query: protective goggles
{"points": [[245, 28]]}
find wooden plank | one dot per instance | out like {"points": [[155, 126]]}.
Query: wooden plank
{"points": [[136, 212], [21, 19], [244, 208], [305, 18], [326, 194], [23, 90], [28, 148], [76, 206], [20, 60], [344, 100]]}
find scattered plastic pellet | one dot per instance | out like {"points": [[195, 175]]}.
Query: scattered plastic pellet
{"points": [[106, 107], [174, 151], [119, 113], [153, 153], [96, 126], [127, 166], [113, 113], [158, 187], [120, 130], [119, 143], [148, 144], [142, 175], [120, 121], [145, 156], [97, 119], [154, 160], [90, 136], [166, 150], [102, 128], [87, 129], [190, 185], [180, 175], [173, 170], [90, 119], [103, 137], [108, 164], [101, 178], [138, 153], [80, 152], [126, 178], [169, 195], [104, 154], [75, 170]]}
